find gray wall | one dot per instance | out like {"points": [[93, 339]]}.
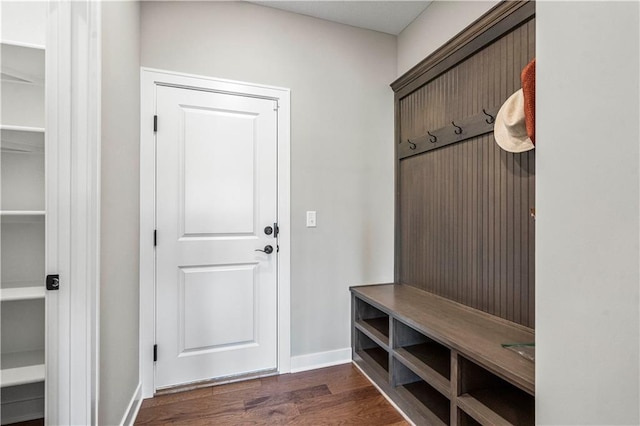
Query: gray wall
{"points": [[119, 294], [439, 22], [587, 226], [341, 138]]}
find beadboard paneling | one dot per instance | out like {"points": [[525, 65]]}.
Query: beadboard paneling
{"points": [[465, 231]]}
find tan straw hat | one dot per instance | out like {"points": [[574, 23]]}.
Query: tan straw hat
{"points": [[510, 130]]}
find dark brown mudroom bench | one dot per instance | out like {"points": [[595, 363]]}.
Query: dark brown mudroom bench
{"points": [[440, 361]]}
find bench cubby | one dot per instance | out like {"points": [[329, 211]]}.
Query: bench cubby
{"points": [[372, 353], [373, 321], [488, 398], [430, 402], [425, 353], [466, 420], [442, 363]]}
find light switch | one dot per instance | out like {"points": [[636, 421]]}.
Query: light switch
{"points": [[311, 219]]}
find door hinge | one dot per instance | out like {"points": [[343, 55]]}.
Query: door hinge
{"points": [[155, 123], [155, 353], [276, 230], [155, 237]]}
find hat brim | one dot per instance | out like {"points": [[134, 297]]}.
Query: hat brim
{"points": [[505, 136]]}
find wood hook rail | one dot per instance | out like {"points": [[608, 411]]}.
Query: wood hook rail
{"points": [[467, 128]]}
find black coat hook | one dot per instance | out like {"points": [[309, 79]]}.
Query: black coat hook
{"points": [[411, 144], [458, 130], [433, 138], [491, 118]]}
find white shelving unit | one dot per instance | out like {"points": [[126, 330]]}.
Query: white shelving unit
{"points": [[22, 223]]}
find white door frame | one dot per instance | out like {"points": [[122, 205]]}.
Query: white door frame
{"points": [[73, 211], [149, 78]]}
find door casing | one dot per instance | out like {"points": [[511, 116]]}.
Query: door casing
{"points": [[149, 78], [73, 102]]}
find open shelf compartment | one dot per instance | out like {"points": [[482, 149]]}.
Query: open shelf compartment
{"points": [[14, 139], [434, 406], [372, 320], [372, 353], [466, 420], [23, 251], [21, 64], [22, 342], [426, 357], [490, 399], [22, 368], [22, 183]]}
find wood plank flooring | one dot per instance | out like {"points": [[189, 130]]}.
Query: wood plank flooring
{"points": [[338, 395]]}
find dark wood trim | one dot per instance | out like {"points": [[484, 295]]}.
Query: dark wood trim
{"points": [[396, 195], [480, 369], [469, 245], [472, 127], [504, 17], [473, 333]]}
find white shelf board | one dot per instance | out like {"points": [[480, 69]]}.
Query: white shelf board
{"points": [[20, 368], [22, 139], [22, 212], [9, 294], [21, 128], [22, 64], [22, 44], [21, 216]]}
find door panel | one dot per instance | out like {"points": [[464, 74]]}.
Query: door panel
{"points": [[219, 179], [205, 294], [216, 191]]}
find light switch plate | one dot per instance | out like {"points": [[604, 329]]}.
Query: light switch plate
{"points": [[311, 219]]}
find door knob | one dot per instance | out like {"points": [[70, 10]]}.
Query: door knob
{"points": [[267, 249]]}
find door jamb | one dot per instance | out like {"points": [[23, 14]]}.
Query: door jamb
{"points": [[149, 78]]}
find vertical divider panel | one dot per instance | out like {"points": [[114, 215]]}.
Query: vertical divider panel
{"points": [[455, 387], [392, 345]]}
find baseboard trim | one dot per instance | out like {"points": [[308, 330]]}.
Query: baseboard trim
{"points": [[320, 360], [134, 406]]}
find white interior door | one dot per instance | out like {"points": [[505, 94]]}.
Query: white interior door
{"points": [[216, 298]]}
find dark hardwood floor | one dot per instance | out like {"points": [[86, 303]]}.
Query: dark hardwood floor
{"points": [[338, 395]]}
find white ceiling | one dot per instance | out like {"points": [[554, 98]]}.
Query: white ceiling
{"points": [[386, 16]]}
